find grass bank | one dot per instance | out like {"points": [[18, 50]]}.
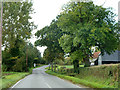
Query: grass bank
{"points": [[10, 78], [87, 81], [68, 66]]}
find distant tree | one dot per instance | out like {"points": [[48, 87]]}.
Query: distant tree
{"points": [[32, 53], [48, 56], [14, 61]]}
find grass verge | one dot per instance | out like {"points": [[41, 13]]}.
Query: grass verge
{"points": [[10, 78], [79, 81], [69, 66]]}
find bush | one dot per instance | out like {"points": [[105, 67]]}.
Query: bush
{"points": [[59, 61], [4, 68], [104, 74], [18, 67], [107, 73]]}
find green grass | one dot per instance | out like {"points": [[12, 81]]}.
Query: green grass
{"points": [[68, 66], [10, 78], [84, 82]]}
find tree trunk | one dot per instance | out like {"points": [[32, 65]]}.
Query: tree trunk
{"points": [[86, 61], [52, 67], [55, 68], [76, 66], [26, 59]]}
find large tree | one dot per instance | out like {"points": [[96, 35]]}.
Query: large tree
{"points": [[17, 28], [16, 22], [48, 36], [87, 25]]}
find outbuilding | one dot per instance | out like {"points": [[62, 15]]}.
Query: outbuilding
{"points": [[106, 58]]}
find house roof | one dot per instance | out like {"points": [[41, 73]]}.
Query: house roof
{"points": [[115, 56], [96, 54]]}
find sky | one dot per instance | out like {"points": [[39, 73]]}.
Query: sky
{"points": [[47, 10]]}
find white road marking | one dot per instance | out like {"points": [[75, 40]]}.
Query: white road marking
{"points": [[48, 85], [16, 83], [72, 83], [77, 86]]}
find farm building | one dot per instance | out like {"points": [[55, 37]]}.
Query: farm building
{"points": [[106, 58]]}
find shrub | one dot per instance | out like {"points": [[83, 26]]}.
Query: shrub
{"points": [[18, 67], [104, 74]]}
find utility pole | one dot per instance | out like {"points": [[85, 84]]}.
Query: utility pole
{"points": [[26, 58], [1, 6]]}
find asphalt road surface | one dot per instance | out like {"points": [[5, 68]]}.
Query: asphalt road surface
{"points": [[40, 79]]}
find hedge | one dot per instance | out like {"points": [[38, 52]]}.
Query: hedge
{"points": [[105, 74]]}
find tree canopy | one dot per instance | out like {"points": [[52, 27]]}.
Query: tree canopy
{"points": [[86, 25], [48, 36], [16, 22], [17, 28]]}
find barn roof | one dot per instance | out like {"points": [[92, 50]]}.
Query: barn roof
{"points": [[115, 56], [96, 54]]}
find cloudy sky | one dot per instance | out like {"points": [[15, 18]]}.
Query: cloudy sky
{"points": [[47, 10]]}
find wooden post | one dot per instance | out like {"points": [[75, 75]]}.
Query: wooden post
{"points": [[52, 66], [26, 58], [1, 45], [1, 39]]}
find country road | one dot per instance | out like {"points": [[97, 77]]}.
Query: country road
{"points": [[40, 79]]}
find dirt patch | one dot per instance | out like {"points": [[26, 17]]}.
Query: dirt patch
{"points": [[5, 74]]}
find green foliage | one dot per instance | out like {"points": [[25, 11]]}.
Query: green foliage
{"points": [[10, 80], [18, 63], [86, 25], [59, 62], [66, 40], [110, 71], [17, 28], [104, 75], [16, 22], [68, 66], [32, 53], [68, 61], [49, 36], [48, 56], [86, 82], [4, 67], [107, 73], [77, 55]]}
